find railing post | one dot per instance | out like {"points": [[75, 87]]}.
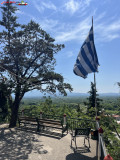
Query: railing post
{"points": [[64, 119], [40, 115]]}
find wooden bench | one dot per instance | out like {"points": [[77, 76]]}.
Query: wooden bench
{"points": [[51, 123], [43, 123], [27, 121], [80, 132]]}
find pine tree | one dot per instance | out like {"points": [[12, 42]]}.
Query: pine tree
{"points": [[91, 101], [27, 58]]}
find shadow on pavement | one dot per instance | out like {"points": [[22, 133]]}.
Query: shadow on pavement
{"points": [[51, 134], [17, 145]]}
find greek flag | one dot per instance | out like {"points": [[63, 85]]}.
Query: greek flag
{"points": [[87, 61]]}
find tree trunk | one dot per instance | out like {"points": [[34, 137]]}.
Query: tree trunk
{"points": [[15, 107], [14, 114]]}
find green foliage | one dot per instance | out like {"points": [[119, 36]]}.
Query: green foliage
{"points": [[112, 142], [111, 104], [5, 99]]}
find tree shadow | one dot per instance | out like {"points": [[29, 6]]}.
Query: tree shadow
{"points": [[48, 132], [17, 144], [78, 156]]}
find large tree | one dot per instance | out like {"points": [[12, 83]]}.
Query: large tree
{"points": [[27, 59]]}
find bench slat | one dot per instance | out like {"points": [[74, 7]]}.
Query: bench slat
{"points": [[50, 120]]}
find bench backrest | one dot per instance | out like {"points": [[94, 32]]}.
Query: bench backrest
{"points": [[27, 119], [38, 120]]}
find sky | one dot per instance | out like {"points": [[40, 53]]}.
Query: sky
{"points": [[69, 21]]}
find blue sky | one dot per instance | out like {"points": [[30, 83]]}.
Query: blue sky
{"points": [[69, 21]]}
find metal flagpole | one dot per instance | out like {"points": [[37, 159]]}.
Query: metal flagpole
{"points": [[94, 79], [97, 143], [95, 93]]}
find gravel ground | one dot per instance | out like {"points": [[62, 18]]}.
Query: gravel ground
{"points": [[20, 144]]}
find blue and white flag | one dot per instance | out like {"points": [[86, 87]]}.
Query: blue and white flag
{"points": [[87, 61]]}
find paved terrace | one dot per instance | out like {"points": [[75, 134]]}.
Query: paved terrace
{"points": [[20, 144]]}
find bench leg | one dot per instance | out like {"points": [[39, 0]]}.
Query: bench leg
{"points": [[71, 142], [38, 128], [84, 141], [62, 133]]}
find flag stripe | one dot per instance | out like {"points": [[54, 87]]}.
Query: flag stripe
{"points": [[87, 60], [82, 61], [80, 67], [96, 58], [96, 63], [77, 71], [87, 50], [90, 50]]}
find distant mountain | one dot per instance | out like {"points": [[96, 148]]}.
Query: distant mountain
{"points": [[109, 94], [87, 94], [77, 94], [29, 95]]}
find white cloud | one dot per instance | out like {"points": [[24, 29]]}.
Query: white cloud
{"points": [[87, 2], [19, 12], [72, 6], [49, 5], [107, 32], [70, 54], [99, 17], [27, 14], [76, 32], [41, 6], [77, 5], [104, 32], [115, 26], [68, 31], [48, 24]]}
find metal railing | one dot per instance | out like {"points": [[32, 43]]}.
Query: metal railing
{"points": [[80, 123], [101, 144]]}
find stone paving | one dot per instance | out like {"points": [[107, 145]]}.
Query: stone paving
{"points": [[20, 144]]}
